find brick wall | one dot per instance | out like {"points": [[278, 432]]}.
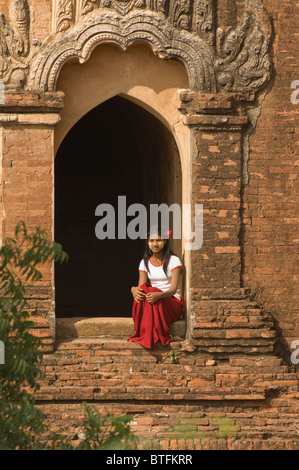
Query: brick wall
{"points": [[27, 187], [192, 403], [271, 196]]}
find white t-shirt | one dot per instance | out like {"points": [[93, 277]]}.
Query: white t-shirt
{"points": [[157, 276]]}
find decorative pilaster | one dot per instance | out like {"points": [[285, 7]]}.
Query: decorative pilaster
{"points": [[27, 157], [217, 122], [224, 320]]}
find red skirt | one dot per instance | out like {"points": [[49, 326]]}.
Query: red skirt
{"points": [[152, 321]]}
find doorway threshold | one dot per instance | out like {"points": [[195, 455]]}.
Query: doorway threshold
{"points": [[77, 327]]}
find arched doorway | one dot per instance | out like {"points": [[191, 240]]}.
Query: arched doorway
{"points": [[116, 149]]}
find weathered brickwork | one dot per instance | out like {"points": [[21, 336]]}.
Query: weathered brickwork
{"points": [[27, 186], [178, 404], [217, 185], [271, 195], [242, 311]]}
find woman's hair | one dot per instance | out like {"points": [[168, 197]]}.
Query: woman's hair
{"points": [[166, 252]]}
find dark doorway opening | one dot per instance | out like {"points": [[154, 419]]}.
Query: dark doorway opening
{"points": [[117, 149]]}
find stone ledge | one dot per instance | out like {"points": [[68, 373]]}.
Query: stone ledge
{"points": [[105, 326]]}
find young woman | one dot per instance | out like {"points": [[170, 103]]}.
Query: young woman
{"points": [[157, 303]]}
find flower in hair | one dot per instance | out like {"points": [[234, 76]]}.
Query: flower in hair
{"points": [[169, 234]]}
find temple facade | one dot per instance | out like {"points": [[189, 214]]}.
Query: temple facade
{"points": [[191, 103]]}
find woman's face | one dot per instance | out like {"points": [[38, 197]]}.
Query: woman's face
{"points": [[156, 243]]}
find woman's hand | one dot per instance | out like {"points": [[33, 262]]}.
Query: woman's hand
{"points": [[138, 294], [153, 297]]}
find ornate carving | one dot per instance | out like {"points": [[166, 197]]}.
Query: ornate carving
{"points": [[68, 12], [124, 6], [235, 60], [204, 20], [160, 6], [64, 12], [179, 13], [183, 14], [86, 6], [243, 61], [15, 44], [165, 40], [19, 14]]}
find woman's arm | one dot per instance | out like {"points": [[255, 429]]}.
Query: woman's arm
{"points": [[174, 283], [142, 278], [152, 297], [138, 293]]}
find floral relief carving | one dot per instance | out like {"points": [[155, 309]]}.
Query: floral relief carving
{"points": [[124, 6], [165, 41], [179, 13], [64, 14], [242, 52], [15, 44], [204, 20], [86, 6], [159, 5]]}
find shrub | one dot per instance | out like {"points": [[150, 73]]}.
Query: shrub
{"points": [[21, 422]]}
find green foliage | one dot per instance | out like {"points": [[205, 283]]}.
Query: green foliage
{"points": [[100, 433], [109, 433], [173, 357], [21, 422]]}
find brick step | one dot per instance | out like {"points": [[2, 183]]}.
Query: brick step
{"points": [[106, 369], [77, 327], [116, 350], [225, 327], [228, 347]]}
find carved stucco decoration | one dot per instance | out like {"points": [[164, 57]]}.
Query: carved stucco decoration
{"points": [[14, 44], [242, 60], [165, 40], [235, 60], [63, 13], [190, 15]]}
